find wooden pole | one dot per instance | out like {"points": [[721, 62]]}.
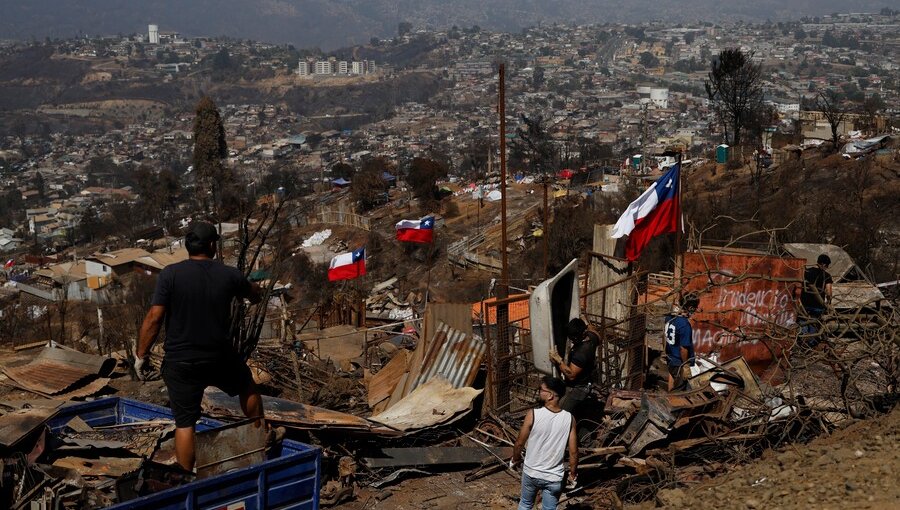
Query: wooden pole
{"points": [[546, 225]]}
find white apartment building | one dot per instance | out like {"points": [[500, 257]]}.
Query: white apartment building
{"points": [[324, 67]]}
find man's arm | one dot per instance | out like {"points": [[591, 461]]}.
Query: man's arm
{"points": [[570, 370], [523, 437], [573, 451], [255, 294], [150, 330], [828, 292]]}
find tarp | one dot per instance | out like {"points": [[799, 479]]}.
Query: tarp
{"points": [[863, 146]]}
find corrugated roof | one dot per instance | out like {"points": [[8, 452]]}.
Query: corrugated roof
{"points": [[453, 356], [58, 370]]}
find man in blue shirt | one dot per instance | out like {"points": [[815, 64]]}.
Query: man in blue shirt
{"points": [[679, 339]]}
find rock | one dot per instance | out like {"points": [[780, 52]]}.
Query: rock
{"points": [[752, 503]]}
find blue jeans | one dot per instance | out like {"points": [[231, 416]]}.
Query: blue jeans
{"points": [[809, 326], [550, 492]]}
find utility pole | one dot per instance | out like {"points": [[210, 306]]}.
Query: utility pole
{"points": [[501, 382]]}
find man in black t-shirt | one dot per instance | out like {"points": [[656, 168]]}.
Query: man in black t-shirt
{"points": [[579, 371], [815, 297], [194, 298]]}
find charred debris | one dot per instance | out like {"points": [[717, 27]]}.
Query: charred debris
{"points": [[446, 387]]}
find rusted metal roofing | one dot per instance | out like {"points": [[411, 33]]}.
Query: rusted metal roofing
{"points": [[289, 413], [59, 370], [453, 356]]}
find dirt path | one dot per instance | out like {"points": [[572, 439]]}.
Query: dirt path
{"points": [[855, 467]]}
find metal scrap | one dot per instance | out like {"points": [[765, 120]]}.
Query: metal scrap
{"points": [[16, 425], [56, 371], [436, 402], [290, 413], [432, 456], [453, 355]]}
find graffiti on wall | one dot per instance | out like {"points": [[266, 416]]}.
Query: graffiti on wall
{"points": [[746, 302]]}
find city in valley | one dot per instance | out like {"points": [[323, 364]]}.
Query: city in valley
{"points": [[571, 264]]}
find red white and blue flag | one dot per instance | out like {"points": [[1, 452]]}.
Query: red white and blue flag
{"points": [[416, 231], [655, 212], [9, 263], [348, 266]]}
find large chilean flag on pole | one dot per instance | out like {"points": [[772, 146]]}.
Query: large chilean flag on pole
{"points": [[416, 231], [655, 212], [348, 266]]}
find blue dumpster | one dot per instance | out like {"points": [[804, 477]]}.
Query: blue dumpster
{"points": [[289, 481]]}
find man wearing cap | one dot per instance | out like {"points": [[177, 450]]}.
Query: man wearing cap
{"points": [[579, 371], [815, 296], [545, 434], [193, 298]]}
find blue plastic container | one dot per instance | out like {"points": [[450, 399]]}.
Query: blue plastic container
{"points": [[290, 481]]}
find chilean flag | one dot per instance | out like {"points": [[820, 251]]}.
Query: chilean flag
{"points": [[655, 212], [348, 266], [9, 263], [416, 231]]}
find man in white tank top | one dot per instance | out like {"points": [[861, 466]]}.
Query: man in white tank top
{"points": [[547, 431]]}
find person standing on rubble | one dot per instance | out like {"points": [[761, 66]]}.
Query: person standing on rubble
{"points": [[815, 298], [579, 371], [680, 339], [194, 299], [545, 433]]}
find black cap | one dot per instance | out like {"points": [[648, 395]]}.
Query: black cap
{"points": [[690, 301], [575, 329], [555, 385], [202, 232], [823, 259]]}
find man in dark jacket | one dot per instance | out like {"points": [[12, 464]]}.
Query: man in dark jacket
{"points": [[579, 371], [194, 299], [815, 297]]}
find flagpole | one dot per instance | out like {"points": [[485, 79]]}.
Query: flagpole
{"points": [[430, 254], [679, 252]]}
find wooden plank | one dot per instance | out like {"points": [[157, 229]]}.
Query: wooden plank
{"points": [[381, 385]]}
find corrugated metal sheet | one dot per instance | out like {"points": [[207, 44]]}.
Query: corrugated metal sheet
{"points": [[58, 370], [452, 355]]}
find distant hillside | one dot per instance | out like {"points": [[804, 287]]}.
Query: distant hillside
{"points": [[333, 23]]}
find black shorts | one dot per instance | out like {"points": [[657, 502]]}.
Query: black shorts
{"points": [[186, 381]]}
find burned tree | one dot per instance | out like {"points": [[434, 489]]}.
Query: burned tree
{"points": [[209, 151], [829, 104], [734, 88]]}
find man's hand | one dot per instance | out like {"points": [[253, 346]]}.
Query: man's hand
{"points": [[555, 357], [572, 482], [140, 363]]}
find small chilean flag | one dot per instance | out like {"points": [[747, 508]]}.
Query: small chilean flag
{"points": [[416, 231], [9, 263], [655, 212], [348, 266]]}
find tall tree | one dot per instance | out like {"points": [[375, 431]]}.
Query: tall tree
{"points": [[829, 104], [735, 90], [368, 186], [533, 145], [422, 178], [209, 151]]}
